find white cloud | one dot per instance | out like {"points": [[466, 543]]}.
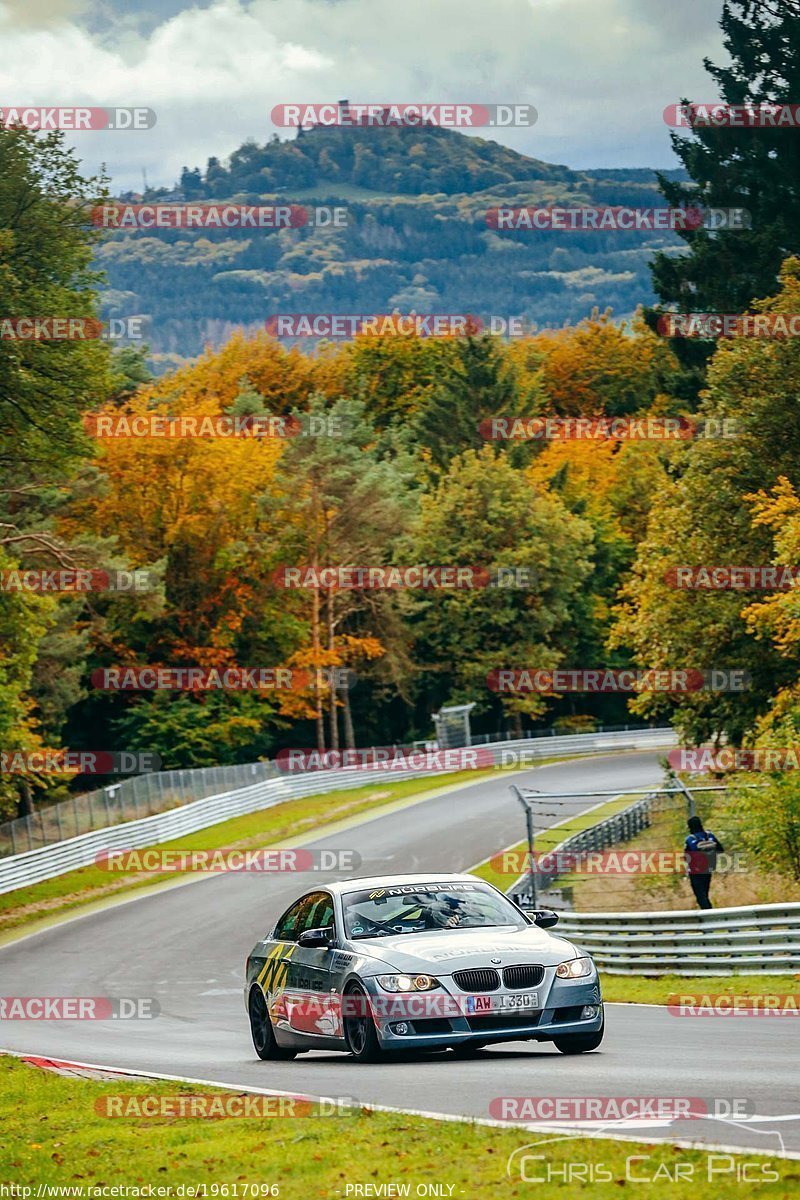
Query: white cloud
{"points": [[600, 72]]}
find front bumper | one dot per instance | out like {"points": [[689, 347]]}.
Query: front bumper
{"points": [[447, 1024]]}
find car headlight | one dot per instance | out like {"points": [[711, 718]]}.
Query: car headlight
{"points": [[574, 968], [407, 983]]}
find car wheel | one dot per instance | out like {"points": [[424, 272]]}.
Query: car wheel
{"points": [[261, 1029], [580, 1043], [359, 1027]]}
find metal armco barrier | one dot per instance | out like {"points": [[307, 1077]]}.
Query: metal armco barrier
{"points": [[127, 800], [761, 939], [619, 828], [33, 866]]}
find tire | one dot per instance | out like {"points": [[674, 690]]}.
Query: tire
{"points": [[580, 1043], [359, 1029], [261, 1029]]}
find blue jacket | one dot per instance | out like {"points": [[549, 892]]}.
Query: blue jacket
{"points": [[701, 852]]}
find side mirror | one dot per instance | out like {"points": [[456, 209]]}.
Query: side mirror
{"points": [[545, 918], [316, 938]]}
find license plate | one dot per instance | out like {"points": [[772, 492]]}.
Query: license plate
{"points": [[480, 1004]]}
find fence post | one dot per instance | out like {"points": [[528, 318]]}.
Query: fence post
{"points": [[30, 834], [108, 809], [75, 814], [13, 837], [58, 822]]}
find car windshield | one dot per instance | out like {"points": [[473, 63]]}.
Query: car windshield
{"points": [[415, 908]]}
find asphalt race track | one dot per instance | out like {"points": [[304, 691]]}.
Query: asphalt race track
{"points": [[186, 947]]}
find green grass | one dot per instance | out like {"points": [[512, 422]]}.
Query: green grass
{"points": [[54, 1134], [547, 840], [639, 989], [267, 827], [657, 989], [295, 818]]}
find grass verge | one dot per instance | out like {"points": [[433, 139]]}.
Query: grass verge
{"points": [[258, 830], [659, 989], [546, 841], [54, 1134], [635, 989], [742, 883], [269, 827]]}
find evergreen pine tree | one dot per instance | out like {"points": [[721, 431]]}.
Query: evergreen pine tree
{"points": [[478, 382], [757, 169]]}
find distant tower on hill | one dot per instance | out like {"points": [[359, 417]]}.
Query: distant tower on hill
{"points": [[344, 119]]}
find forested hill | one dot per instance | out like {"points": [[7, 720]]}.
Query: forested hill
{"points": [[416, 239], [401, 160]]}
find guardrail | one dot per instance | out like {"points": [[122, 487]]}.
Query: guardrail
{"points": [[127, 800], [753, 940], [48, 861], [148, 794], [610, 832], [761, 939]]}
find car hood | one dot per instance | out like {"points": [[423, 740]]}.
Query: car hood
{"points": [[441, 953]]}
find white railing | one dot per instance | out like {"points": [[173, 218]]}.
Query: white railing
{"points": [[761, 939], [33, 866]]}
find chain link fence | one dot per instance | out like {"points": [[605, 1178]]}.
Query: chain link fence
{"points": [[128, 800], [147, 795]]}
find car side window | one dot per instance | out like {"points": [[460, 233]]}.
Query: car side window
{"points": [[321, 915], [292, 922]]}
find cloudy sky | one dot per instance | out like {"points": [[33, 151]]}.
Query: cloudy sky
{"points": [[599, 72]]}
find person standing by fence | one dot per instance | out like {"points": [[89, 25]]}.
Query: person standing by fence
{"points": [[700, 852]]}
